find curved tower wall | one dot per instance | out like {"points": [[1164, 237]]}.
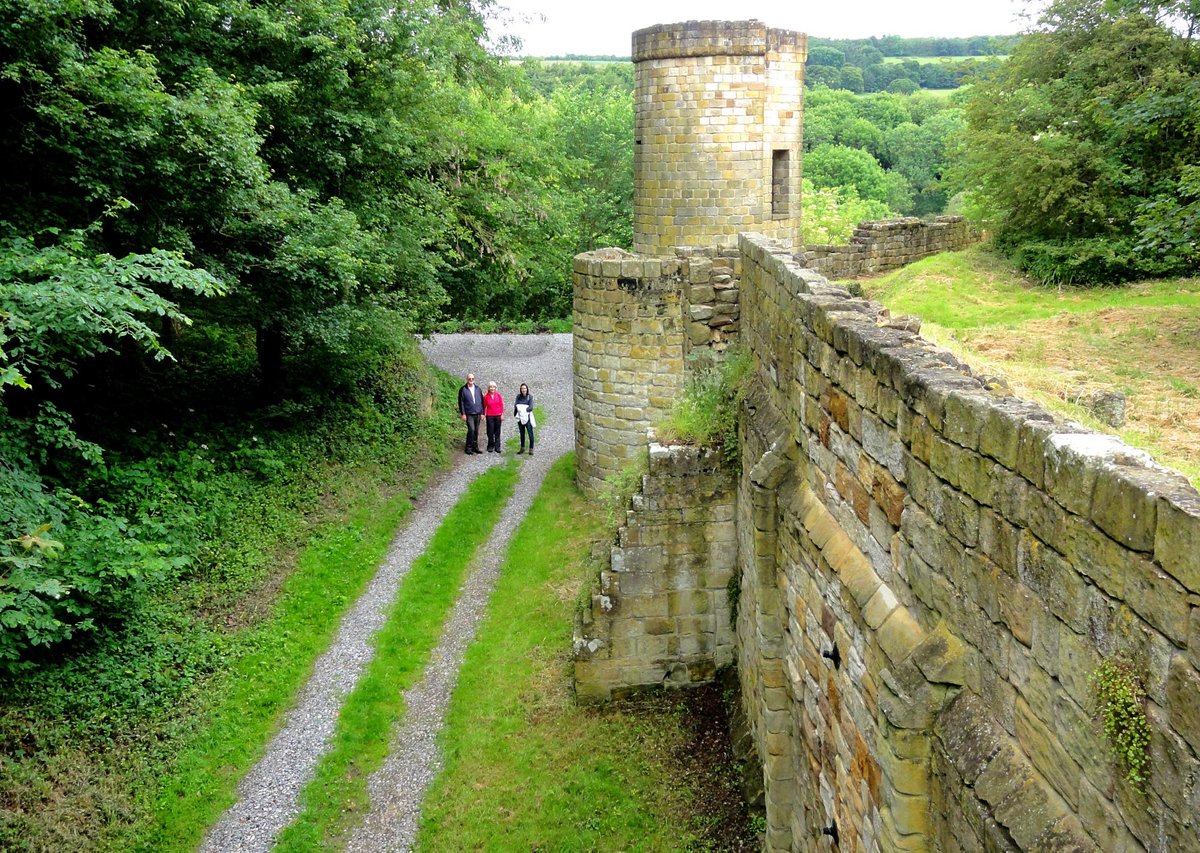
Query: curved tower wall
{"points": [[718, 109], [628, 351]]}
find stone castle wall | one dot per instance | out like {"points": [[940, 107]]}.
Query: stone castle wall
{"points": [[887, 244], [659, 614], [628, 356], [637, 318], [929, 575], [717, 133]]}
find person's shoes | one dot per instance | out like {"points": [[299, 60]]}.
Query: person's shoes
{"points": [[522, 450], [531, 451]]}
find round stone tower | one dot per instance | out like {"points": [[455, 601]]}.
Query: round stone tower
{"points": [[717, 134]]}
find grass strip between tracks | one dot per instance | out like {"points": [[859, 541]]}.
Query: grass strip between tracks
{"points": [[362, 739], [527, 768]]}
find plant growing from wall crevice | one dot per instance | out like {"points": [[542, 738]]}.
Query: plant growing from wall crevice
{"points": [[1121, 706], [620, 487], [706, 413]]}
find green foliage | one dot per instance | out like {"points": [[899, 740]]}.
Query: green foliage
{"points": [[901, 65], [224, 513], [620, 487], [1120, 705], [554, 178], [840, 166], [61, 303], [1089, 133], [707, 411], [830, 214]]}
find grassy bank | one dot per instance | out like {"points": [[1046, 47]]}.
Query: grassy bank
{"points": [[134, 736], [1056, 345], [526, 768]]}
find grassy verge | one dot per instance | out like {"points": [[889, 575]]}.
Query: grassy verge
{"points": [[362, 739], [134, 736], [527, 769], [330, 574], [1056, 345]]}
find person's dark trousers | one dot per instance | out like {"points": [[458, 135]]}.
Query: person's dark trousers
{"points": [[526, 428], [472, 445], [493, 432]]}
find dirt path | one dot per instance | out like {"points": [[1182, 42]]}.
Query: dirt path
{"points": [[268, 795]]}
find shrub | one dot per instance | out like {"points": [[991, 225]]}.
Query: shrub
{"points": [[1087, 262], [707, 412]]}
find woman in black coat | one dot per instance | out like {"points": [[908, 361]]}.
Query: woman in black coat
{"points": [[523, 410]]}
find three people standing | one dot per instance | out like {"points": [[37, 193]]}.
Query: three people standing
{"points": [[473, 404]]}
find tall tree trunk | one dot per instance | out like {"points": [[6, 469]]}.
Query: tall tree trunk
{"points": [[268, 341]]}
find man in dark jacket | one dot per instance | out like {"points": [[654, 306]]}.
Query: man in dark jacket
{"points": [[470, 408]]}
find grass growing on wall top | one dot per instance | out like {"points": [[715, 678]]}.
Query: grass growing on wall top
{"points": [[706, 413], [1054, 344]]}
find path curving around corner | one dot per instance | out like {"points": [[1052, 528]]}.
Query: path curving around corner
{"points": [[268, 796]]}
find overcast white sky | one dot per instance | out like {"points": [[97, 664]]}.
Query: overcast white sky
{"points": [[550, 27]]}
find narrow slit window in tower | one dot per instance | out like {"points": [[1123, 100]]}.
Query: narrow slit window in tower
{"points": [[780, 184]]}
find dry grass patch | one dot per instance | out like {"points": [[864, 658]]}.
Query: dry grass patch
{"points": [[1056, 345]]}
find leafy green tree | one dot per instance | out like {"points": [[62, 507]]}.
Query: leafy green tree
{"points": [[852, 78], [830, 56], [834, 166], [831, 213], [884, 109], [1084, 140], [920, 152], [862, 134], [822, 75]]}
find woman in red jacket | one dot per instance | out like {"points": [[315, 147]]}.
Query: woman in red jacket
{"points": [[493, 410]]}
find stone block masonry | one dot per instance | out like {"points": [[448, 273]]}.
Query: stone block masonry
{"points": [[659, 614], [928, 571], [637, 318], [717, 133], [929, 575], [888, 244]]}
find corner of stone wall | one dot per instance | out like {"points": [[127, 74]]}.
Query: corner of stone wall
{"points": [[1036, 546], [659, 613]]}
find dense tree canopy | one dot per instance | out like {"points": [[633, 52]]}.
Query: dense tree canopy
{"points": [[886, 147], [308, 179], [1083, 149]]}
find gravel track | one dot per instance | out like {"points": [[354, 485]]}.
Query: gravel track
{"points": [[268, 794]]}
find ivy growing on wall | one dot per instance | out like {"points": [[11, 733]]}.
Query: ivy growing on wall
{"points": [[1120, 705]]}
